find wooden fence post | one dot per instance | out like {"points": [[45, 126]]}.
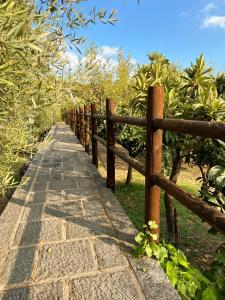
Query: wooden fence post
{"points": [[155, 105], [75, 121], [110, 179], [70, 118], [82, 125], [86, 130], [78, 124], [93, 132]]}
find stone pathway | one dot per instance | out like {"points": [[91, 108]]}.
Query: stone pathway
{"points": [[65, 236]]}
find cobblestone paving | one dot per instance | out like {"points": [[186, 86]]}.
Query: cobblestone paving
{"points": [[65, 236]]}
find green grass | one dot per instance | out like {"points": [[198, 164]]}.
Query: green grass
{"points": [[195, 240]]}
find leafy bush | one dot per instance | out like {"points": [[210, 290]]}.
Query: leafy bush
{"points": [[189, 281]]}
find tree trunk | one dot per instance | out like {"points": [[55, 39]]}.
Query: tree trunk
{"points": [[129, 175], [204, 177], [171, 214]]}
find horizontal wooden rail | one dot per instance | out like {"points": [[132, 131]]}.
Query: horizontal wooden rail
{"points": [[206, 212], [99, 117], [154, 123], [123, 119], [214, 130], [100, 140], [119, 151], [129, 120]]}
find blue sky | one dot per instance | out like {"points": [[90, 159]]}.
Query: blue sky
{"points": [[181, 30]]}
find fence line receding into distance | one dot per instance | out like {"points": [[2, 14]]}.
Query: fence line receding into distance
{"points": [[82, 119]]}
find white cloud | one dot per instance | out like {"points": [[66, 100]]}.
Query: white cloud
{"points": [[72, 60], [105, 58], [209, 7], [109, 51], [109, 62], [214, 21], [133, 61]]}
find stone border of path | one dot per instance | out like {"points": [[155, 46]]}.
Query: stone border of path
{"points": [[154, 282], [151, 281]]}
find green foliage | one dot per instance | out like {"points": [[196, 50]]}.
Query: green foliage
{"points": [[213, 191], [193, 93], [216, 273], [34, 38], [132, 138], [27, 86], [197, 78], [189, 281], [71, 17], [97, 79], [220, 84]]}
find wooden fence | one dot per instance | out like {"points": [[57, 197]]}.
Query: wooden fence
{"points": [[81, 121]]}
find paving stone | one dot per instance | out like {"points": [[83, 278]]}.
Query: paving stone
{"points": [[75, 194], [27, 186], [58, 169], [109, 286], [52, 210], [53, 291], [30, 172], [41, 184], [11, 212], [69, 145], [70, 181], [43, 171], [67, 182], [46, 160], [19, 194], [32, 212], [51, 165], [154, 281], [124, 229], [64, 259], [63, 210], [50, 196], [89, 190], [7, 229], [42, 231], [56, 177], [85, 182], [109, 254], [19, 265], [79, 229], [81, 173], [72, 208], [56, 186], [82, 227], [68, 157], [93, 207]]}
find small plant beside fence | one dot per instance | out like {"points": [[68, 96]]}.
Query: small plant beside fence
{"points": [[81, 121]]}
